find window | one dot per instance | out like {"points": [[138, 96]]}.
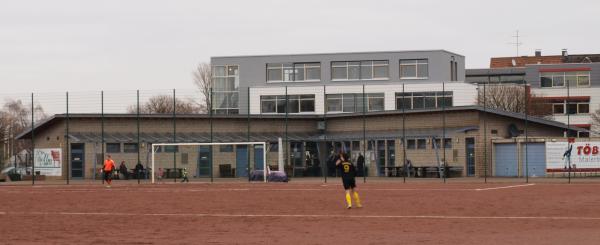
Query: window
{"points": [[225, 89], [226, 148], [171, 148], [353, 102], [423, 100], [438, 144], [360, 70], [571, 108], [411, 144], [113, 147], [356, 145], [421, 144], [130, 147], [273, 146], [290, 72], [562, 79], [448, 143], [558, 108], [295, 103], [411, 69]]}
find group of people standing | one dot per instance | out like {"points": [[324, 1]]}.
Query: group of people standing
{"points": [[109, 168]]}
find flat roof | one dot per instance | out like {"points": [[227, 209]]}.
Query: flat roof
{"points": [[339, 53]]}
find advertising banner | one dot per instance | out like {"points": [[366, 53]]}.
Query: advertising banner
{"points": [[48, 161], [585, 157]]}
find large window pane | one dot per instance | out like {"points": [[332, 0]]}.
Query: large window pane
{"points": [[232, 70], [375, 104], [293, 104], [348, 103], [219, 71], [407, 71], [572, 108], [421, 144], [366, 71], [280, 104], [339, 73], [299, 72], [267, 106], [307, 105], [558, 81], [430, 102], [583, 81], [558, 108], [422, 70], [313, 73], [583, 108], [353, 72], [546, 82], [288, 73], [380, 71], [418, 102], [274, 75]]}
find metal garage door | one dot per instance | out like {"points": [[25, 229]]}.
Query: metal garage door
{"points": [[536, 159], [506, 160]]}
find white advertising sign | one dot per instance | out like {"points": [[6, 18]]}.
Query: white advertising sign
{"points": [[48, 161], [585, 156]]}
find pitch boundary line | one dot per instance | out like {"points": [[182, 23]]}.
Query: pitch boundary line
{"points": [[503, 187], [222, 215]]}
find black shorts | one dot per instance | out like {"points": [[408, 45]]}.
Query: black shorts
{"points": [[107, 175], [349, 183]]}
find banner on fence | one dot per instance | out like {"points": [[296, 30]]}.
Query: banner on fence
{"points": [[585, 156], [48, 161]]}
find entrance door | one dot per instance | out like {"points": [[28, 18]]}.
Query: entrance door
{"points": [[298, 162], [204, 161], [77, 161], [258, 157], [241, 161], [470, 145]]}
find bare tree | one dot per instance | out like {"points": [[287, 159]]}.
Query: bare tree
{"points": [[510, 97], [163, 104], [203, 80], [596, 118], [15, 117]]}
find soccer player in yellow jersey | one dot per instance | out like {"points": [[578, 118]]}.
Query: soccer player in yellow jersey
{"points": [[348, 173]]}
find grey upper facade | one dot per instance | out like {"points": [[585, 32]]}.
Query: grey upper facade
{"points": [[254, 71]]}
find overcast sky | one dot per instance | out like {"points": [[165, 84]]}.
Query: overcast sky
{"points": [[51, 46]]}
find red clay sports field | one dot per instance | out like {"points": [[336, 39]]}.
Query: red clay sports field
{"points": [[302, 212]]}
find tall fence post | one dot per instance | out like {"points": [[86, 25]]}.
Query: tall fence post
{"points": [[364, 116], [325, 165], [175, 149], [443, 141], [569, 125], [211, 134], [485, 154], [248, 137], [287, 143], [32, 142], [406, 170], [67, 146], [101, 133], [137, 120], [526, 92]]}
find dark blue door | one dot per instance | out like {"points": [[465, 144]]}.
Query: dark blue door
{"points": [[204, 161], [241, 161], [258, 157], [77, 161]]}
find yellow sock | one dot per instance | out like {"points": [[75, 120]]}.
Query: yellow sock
{"points": [[357, 199], [348, 200]]}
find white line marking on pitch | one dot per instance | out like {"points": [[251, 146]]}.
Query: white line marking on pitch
{"points": [[503, 187], [304, 216]]}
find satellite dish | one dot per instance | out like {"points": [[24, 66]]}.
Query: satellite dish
{"points": [[513, 62], [513, 131]]}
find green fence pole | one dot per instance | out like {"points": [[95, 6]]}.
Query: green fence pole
{"points": [[175, 149], [67, 146], [32, 142], [404, 135]]}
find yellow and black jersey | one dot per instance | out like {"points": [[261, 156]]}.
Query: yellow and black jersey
{"points": [[348, 170]]}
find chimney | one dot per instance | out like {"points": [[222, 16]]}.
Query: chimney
{"points": [[538, 52], [564, 52]]}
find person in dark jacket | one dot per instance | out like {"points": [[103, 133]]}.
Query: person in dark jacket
{"points": [[348, 173], [360, 164], [139, 168], [123, 170]]}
